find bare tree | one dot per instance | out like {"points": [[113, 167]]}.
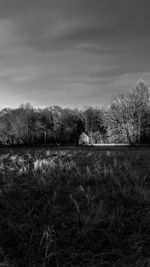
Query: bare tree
{"points": [[125, 118]]}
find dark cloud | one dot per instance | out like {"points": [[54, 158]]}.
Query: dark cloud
{"points": [[63, 46]]}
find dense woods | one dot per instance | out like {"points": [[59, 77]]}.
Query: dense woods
{"points": [[126, 120]]}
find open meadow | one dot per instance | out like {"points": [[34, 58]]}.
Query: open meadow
{"points": [[78, 207]]}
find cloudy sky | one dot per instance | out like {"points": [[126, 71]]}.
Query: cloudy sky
{"points": [[72, 52]]}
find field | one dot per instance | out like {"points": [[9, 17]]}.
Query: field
{"points": [[75, 207]]}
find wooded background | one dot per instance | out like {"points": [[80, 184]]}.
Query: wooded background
{"points": [[126, 120]]}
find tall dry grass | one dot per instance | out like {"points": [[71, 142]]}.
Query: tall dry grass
{"points": [[75, 209]]}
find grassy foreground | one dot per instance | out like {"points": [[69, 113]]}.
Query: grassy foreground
{"points": [[68, 208]]}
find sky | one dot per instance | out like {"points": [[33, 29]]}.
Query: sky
{"points": [[72, 53]]}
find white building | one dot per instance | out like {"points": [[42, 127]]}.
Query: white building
{"points": [[84, 139]]}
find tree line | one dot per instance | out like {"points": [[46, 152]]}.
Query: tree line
{"points": [[126, 120]]}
